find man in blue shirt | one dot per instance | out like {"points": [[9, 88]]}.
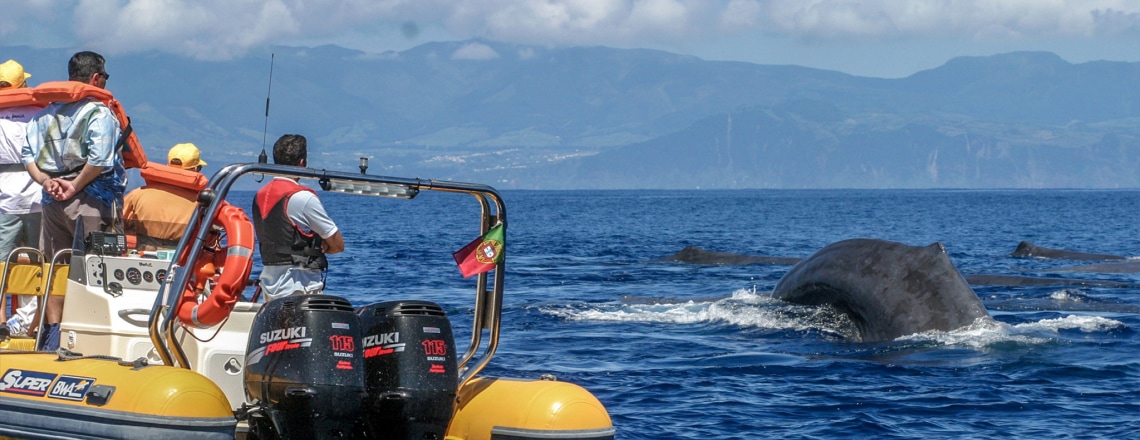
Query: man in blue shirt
{"points": [[72, 153]]}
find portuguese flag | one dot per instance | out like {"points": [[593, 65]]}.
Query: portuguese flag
{"points": [[482, 254]]}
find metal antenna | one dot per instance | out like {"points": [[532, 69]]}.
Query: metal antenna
{"points": [[263, 158]]}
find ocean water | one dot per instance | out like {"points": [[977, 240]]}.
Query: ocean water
{"points": [[681, 351]]}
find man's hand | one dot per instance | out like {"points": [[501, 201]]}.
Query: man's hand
{"points": [[62, 189], [51, 187], [333, 244]]}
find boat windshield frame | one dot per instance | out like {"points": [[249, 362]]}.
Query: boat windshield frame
{"points": [[163, 321]]}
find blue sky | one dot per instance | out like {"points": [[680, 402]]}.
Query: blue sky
{"points": [[880, 38]]}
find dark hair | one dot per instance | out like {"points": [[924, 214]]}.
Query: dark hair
{"points": [[84, 64], [290, 149]]}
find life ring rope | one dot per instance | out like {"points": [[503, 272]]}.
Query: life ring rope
{"points": [[235, 269]]}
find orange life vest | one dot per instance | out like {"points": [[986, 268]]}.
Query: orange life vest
{"points": [[70, 91], [155, 172]]}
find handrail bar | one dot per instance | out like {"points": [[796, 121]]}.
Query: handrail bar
{"points": [[163, 321]]}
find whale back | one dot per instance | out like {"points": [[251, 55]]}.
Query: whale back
{"points": [[1026, 249], [888, 289]]}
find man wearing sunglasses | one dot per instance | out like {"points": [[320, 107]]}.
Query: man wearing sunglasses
{"points": [[71, 152]]}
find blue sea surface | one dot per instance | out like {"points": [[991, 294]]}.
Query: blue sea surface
{"points": [[704, 352]]}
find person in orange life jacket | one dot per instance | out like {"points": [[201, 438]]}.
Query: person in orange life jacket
{"points": [[19, 194], [294, 232], [71, 151], [158, 212]]}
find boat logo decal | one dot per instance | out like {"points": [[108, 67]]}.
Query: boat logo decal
{"points": [[381, 350], [283, 333], [431, 329], [29, 383], [435, 347], [71, 387], [255, 356], [340, 325], [385, 338], [287, 345], [342, 346], [382, 344], [436, 368], [344, 365]]}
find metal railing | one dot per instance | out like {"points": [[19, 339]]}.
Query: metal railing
{"points": [[163, 321]]}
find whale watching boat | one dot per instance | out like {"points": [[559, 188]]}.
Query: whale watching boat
{"points": [[163, 344]]}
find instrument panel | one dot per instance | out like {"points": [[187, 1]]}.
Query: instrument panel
{"points": [[117, 273]]}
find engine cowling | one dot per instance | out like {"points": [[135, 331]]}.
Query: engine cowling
{"points": [[304, 368], [411, 368]]}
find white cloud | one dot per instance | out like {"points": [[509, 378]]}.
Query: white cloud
{"points": [[977, 19], [474, 51], [218, 29], [204, 29], [741, 14]]}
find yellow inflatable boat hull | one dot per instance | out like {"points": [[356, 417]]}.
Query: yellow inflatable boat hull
{"points": [[45, 396], [513, 409]]}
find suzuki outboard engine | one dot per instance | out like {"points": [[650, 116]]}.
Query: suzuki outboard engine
{"points": [[304, 369], [411, 368]]}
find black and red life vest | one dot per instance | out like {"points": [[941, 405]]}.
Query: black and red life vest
{"points": [[281, 241]]}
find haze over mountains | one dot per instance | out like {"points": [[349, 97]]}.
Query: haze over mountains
{"points": [[600, 118]]}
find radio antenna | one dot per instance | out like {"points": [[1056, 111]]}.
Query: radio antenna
{"points": [[263, 158]]}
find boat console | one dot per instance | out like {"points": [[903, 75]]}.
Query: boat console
{"points": [[108, 307]]}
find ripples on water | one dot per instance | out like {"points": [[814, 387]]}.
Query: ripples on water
{"points": [[702, 352]]}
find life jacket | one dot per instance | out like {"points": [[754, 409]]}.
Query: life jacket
{"points": [[18, 104], [71, 91], [19, 97], [155, 172], [281, 241], [174, 180]]}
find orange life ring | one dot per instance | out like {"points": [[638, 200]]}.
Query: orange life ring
{"points": [[236, 261]]}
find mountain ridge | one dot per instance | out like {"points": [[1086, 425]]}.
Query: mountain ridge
{"points": [[518, 116]]}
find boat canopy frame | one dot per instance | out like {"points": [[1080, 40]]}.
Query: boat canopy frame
{"points": [[163, 321]]}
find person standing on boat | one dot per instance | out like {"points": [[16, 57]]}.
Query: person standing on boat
{"points": [[19, 194], [293, 230], [158, 212], [72, 152]]}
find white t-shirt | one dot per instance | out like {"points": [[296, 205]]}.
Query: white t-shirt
{"points": [[306, 211], [19, 194], [21, 113], [13, 132]]}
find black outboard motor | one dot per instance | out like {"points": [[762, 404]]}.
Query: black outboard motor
{"points": [[411, 368], [305, 369]]}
